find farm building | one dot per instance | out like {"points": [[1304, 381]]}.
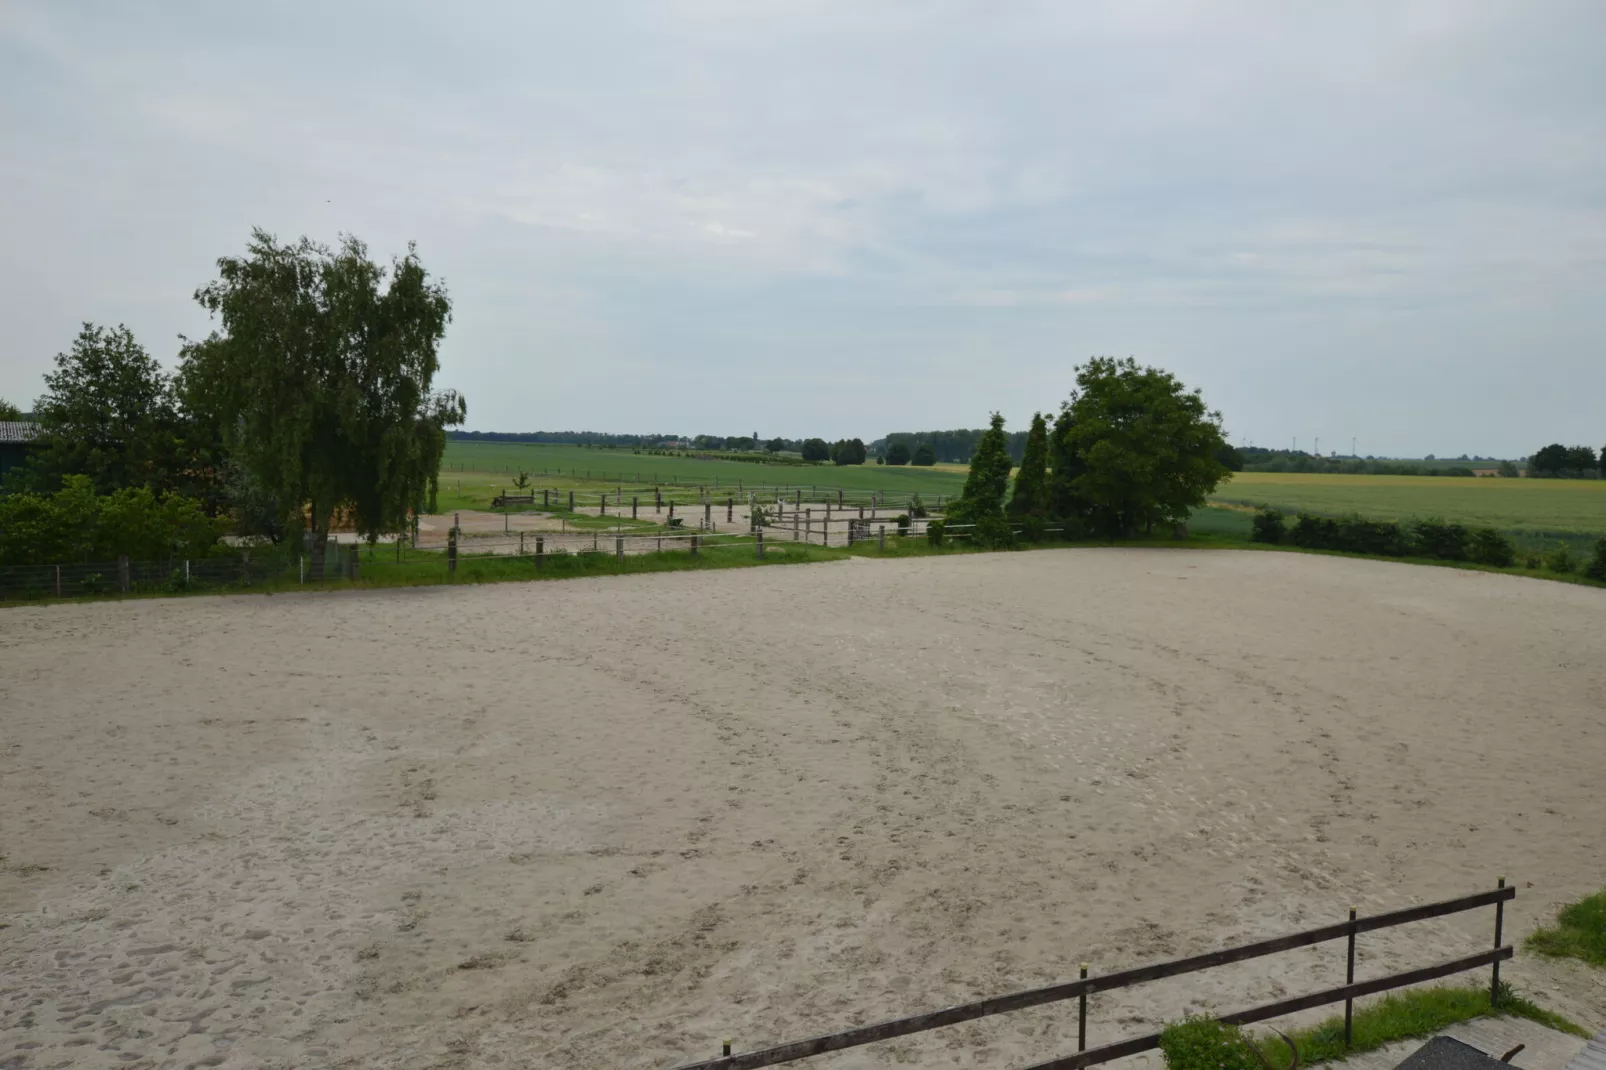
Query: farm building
{"points": [[17, 440]]}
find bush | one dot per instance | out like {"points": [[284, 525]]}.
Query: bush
{"points": [[1314, 532], [1197, 1043], [1562, 560], [1384, 538], [1597, 565], [1033, 529], [1268, 526], [935, 532], [1435, 538], [992, 533], [902, 520], [917, 508], [898, 454], [924, 456], [1489, 547]]}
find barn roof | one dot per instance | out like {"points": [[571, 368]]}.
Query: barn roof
{"points": [[17, 431]]}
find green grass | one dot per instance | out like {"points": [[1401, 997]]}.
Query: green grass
{"points": [[1401, 1015], [494, 463], [1579, 932], [1533, 508]]}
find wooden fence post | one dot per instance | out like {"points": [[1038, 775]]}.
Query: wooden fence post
{"points": [[546, 498], [619, 549], [1081, 1016], [122, 572], [758, 543], [451, 552], [708, 516], [881, 538], [540, 550], [1349, 979], [604, 504], [635, 503], [571, 501], [693, 545], [1499, 922], [730, 509]]}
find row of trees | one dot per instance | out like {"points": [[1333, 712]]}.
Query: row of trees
{"points": [[1556, 461], [1133, 447], [314, 395]]}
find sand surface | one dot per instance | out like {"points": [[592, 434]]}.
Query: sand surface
{"points": [[606, 822]]}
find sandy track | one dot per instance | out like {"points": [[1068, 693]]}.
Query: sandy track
{"points": [[603, 823]]}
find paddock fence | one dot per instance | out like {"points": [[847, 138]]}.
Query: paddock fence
{"points": [[1085, 986]]}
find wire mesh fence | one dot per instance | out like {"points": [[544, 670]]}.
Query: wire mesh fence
{"points": [[232, 571]]}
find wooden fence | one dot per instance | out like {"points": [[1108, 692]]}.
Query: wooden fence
{"points": [[1085, 986]]}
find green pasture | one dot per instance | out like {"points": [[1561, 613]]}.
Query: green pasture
{"points": [[1527, 507], [493, 464]]}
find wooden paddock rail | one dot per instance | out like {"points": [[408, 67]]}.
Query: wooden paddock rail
{"points": [[1085, 986]]}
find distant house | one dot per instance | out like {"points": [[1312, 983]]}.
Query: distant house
{"points": [[18, 439], [1486, 472]]}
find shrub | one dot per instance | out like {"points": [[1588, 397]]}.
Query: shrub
{"points": [[924, 456], [917, 508], [898, 454], [1562, 559], [1197, 1043], [1268, 526], [1033, 529], [1597, 565], [1435, 538], [1314, 532], [935, 532], [992, 533], [1383, 538], [902, 520], [1489, 547]]}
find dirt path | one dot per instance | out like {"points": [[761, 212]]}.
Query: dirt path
{"points": [[607, 822]]}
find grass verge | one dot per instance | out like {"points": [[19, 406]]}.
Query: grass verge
{"points": [[1579, 932], [1402, 1015]]}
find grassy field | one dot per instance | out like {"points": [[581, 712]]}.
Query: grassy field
{"points": [[562, 466], [1529, 507]]}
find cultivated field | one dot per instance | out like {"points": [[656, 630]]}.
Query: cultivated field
{"points": [[562, 466], [1525, 506], [605, 823]]}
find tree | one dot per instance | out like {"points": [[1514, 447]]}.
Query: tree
{"points": [[1581, 459], [775, 445], [108, 412], [1508, 470], [1148, 443], [1031, 482], [815, 449], [898, 454], [1065, 503], [849, 451], [924, 456], [322, 380], [9, 411], [1230, 458], [983, 496], [1549, 461]]}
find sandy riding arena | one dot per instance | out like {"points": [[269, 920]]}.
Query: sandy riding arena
{"points": [[605, 823]]}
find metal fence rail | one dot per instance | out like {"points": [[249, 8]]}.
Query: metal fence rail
{"points": [[1085, 986]]}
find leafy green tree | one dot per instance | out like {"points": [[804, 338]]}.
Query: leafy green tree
{"points": [[9, 411], [983, 496], [924, 456], [898, 454], [321, 379], [815, 449], [775, 445], [1065, 503], [1230, 458], [1549, 461], [849, 451], [1582, 460], [74, 524], [1147, 442], [1509, 470], [108, 412], [1030, 498]]}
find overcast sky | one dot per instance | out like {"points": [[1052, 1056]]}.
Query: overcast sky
{"points": [[1380, 220]]}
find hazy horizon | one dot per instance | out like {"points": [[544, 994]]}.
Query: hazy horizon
{"points": [[1378, 221]]}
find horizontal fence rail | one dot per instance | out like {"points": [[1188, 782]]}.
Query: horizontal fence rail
{"points": [[1084, 987]]}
